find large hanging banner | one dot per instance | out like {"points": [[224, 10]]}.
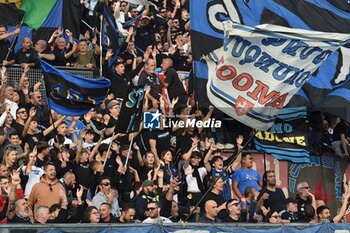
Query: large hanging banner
{"points": [[329, 88], [258, 69]]}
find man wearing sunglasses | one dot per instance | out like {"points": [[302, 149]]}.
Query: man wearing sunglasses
{"points": [[107, 195], [235, 213], [153, 211]]}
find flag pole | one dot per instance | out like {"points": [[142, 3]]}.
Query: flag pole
{"points": [[221, 174], [101, 46], [128, 155], [109, 149], [14, 39]]}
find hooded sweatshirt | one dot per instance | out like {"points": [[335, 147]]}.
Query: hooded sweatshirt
{"points": [[44, 193]]}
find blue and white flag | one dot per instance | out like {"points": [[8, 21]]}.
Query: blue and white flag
{"points": [[329, 85], [258, 69]]}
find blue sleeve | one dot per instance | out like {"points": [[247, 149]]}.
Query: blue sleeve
{"points": [[235, 177]]}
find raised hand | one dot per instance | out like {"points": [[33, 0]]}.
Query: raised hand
{"points": [[239, 140]]}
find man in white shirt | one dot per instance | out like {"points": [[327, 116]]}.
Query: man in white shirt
{"points": [[153, 211]]}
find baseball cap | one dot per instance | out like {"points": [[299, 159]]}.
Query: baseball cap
{"points": [[147, 183]]}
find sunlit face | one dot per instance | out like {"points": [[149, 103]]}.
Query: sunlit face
{"points": [[62, 129], [120, 69], [168, 157], [325, 215], [27, 43], [50, 172], [83, 46], [61, 43], [151, 66], [104, 211], [12, 157], [94, 216], [9, 119], [14, 139], [219, 164], [15, 97], [9, 93], [22, 208], [234, 207], [37, 98], [129, 215], [150, 159]]}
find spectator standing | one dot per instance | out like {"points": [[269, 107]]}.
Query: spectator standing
{"points": [[246, 176]]}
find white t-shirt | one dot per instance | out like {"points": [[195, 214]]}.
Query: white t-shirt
{"points": [[162, 219], [192, 186], [33, 178]]}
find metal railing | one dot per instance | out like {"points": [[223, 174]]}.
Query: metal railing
{"points": [[173, 227], [14, 73]]}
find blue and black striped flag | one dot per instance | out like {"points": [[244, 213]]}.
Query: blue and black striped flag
{"points": [[72, 95]]}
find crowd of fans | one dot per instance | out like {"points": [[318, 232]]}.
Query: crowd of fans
{"points": [[60, 169]]}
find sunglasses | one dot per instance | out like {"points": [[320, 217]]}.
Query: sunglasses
{"points": [[151, 208], [106, 184]]}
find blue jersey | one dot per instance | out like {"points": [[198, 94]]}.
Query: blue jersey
{"points": [[226, 194], [246, 178]]}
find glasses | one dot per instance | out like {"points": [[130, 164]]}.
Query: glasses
{"points": [[39, 97], [306, 187], [151, 208], [106, 184]]}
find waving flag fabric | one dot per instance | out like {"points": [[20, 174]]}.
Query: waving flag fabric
{"points": [[72, 95], [328, 84], [258, 69]]}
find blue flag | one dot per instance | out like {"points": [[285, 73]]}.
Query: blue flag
{"points": [[112, 38], [72, 95]]}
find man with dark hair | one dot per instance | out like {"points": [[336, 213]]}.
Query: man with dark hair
{"points": [[153, 213], [120, 79], [46, 192], [5, 45], [235, 213], [215, 195], [105, 214], [246, 176], [108, 195], [128, 213], [271, 196], [324, 215], [43, 150], [290, 213]]}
